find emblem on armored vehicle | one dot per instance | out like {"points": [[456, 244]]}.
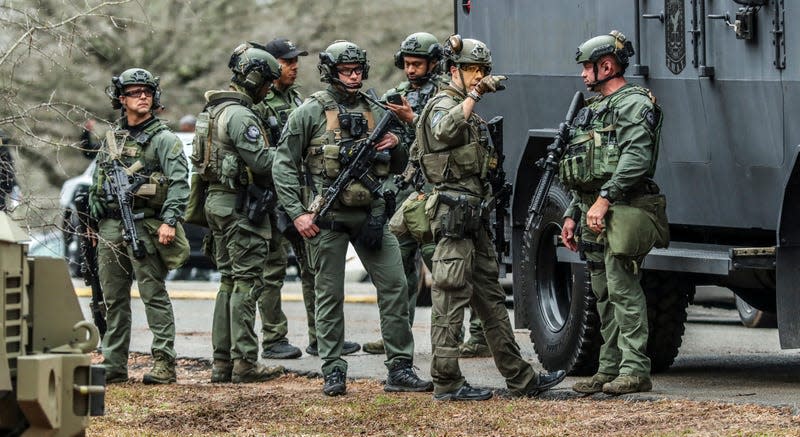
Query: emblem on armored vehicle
{"points": [[675, 35]]}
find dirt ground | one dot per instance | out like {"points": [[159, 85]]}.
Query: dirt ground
{"points": [[294, 405]]}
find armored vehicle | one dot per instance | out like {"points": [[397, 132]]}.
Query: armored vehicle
{"points": [[725, 73], [48, 386]]}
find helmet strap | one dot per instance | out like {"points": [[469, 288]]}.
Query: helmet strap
{"points": [[594, 86], [461, 76]]}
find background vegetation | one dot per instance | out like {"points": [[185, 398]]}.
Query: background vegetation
{"points": [[58, 56]]}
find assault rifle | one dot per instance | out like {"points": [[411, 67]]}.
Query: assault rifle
{"points": [[357, 160], [89, 259], [120, 185], [549, 164], [501, 189]]}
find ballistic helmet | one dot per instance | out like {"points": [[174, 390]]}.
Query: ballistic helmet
{"points": [[614, 43], [133, 76], [459, 52], [253, 66], [340, 52], [421, 44]]}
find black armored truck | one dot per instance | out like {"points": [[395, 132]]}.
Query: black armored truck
{"points": [[726, 75]]}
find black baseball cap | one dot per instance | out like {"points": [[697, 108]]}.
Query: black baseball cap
{"points": [[284, 48]]}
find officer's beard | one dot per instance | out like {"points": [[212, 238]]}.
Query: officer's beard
{"points": [[595, 86]]}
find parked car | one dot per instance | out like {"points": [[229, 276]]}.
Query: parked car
{"points": [[74, 186]]}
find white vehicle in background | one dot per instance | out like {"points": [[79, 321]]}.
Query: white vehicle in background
{"points": [[74, 186]]}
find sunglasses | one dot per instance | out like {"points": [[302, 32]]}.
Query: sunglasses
{"points": [[147, 92], [350, 71], [474, 68]]}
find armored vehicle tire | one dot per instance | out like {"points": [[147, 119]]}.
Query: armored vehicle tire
{"points": [[752, 317], [668, 295], [557, 297]]}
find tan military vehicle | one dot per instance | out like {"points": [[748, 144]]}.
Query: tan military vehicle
{"points": [[48, 385]]}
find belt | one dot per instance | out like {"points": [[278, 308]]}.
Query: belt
{"points": [[333, 225]]}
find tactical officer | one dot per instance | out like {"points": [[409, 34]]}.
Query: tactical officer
{"points": [[150, 152], [455, 156], [317, 136], [613, 148], [419, 57], [239, 198], [274, 110]]}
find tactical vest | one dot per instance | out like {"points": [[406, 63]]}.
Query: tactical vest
{"points": [[214, 153], [454, 163], [278, 111], [153, 193], [418, 97], [593, 152], [326, 153]]}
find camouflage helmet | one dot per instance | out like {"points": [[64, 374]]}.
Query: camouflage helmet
{"points": [[459, 51], [341, 52], [133, 76], [253, 66], [421, 44], [614, 44]]}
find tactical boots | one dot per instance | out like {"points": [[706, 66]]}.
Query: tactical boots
{"points": [[163, 371], [221, 371], [281, 350], [246, 371], [348, 348], [474, 349], [543, 381], [375, 347], [624, 384], [465, 393], [115, 376], [335, 383], [594, 384], [403, 378]]}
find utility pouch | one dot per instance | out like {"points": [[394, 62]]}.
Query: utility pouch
{"points": [[416, 219], [159, 191], [195, 207], [229, 170], [603, 152], [635, 228], [434, 166], [381, 164], [451, 262], [331, 164], [315, 161], [466, 160], [355, 194]]}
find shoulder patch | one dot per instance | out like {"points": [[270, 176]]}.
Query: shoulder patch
{"points": [[650, 117], [437, 117], [252, 134]]}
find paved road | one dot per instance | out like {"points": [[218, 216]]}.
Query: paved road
{"points": [[719, 359]]}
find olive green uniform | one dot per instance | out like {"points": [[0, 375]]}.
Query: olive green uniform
{"points": [[409, 247], [455, 157], [241, 246], [161, 153], [273, 111], [621, 132], [308, 152]]}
